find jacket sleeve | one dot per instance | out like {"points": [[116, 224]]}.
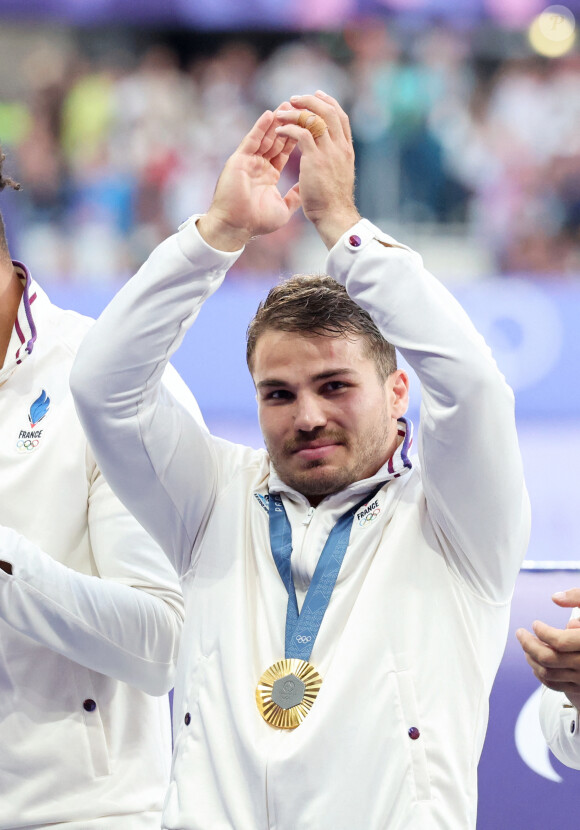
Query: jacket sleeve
{"points": [[158, 459], [560, 724], [468, 448], [124, 621]]}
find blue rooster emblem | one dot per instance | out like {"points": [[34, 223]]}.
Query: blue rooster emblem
{"points": [[38, 409]]}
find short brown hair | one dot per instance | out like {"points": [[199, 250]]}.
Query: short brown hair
{"points": [[5, 181], [312, 304]]}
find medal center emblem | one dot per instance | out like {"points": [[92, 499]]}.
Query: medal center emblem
{"points": [[288, 691]]}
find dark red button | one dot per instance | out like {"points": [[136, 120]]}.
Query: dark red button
{"points": [[354, 240], [187, 719], [89, 705], [572, 727], [414, 733]]}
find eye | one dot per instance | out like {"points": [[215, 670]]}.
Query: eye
{"points": [[278, 395], [335, 386]]}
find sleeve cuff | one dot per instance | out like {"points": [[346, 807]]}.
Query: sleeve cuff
{"points": [[197, 250], [353, 242], [569, 720]]}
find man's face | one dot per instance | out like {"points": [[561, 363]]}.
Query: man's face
{"points": [[327, 418]]}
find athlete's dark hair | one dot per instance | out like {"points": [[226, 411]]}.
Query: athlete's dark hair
{"points": [[311, 304], [5, 181]]}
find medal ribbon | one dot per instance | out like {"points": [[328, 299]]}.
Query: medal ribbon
{"points": [[302, 627]]}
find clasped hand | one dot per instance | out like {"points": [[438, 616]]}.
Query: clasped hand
{"points": [[554, 653], [247, 201]]}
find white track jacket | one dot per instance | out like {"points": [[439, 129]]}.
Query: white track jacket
{"points": [[417, 623], [83, 744], [560, 722]]}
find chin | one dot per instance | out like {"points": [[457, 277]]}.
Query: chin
{"points": [[323, 484]]}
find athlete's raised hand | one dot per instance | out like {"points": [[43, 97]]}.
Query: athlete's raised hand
{"points": [[326, 183], [247, 201]]}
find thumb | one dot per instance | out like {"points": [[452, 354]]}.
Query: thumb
{"points": [[567, 599], [573, 623], [292, 199]]}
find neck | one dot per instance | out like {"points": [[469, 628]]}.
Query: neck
{"points": [[10, 295]]}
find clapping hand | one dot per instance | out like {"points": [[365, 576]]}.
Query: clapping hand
{"points": [[554, 653]]}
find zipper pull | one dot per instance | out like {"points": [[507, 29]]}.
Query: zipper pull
{"points": [[308, 516]]}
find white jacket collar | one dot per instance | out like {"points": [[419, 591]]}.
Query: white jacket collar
{"points": [[24, 332]]}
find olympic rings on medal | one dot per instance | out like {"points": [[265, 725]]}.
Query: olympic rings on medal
{"points": [[27, 445], [303, 638]]}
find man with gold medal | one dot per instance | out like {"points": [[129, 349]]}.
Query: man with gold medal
{"points": [[347, 602]]}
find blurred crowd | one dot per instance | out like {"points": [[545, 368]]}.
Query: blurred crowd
{"points": [[113, 153]]}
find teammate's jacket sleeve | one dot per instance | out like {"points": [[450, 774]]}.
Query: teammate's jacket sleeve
{"points": [[123, 621], [559, 722]]}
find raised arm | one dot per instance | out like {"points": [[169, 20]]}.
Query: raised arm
{"points": [[160, 462], [472, 469]]}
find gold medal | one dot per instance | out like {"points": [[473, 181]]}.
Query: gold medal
{"points": [[286, 692]]}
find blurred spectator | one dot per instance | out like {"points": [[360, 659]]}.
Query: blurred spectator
{"points": [[526, 208], [115, 153], [403, 106]]}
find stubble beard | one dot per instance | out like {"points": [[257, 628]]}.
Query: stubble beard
{"points": [[326, 482], [323, 484]]}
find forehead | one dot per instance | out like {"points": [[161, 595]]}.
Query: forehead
{"points": [[298, 356]]}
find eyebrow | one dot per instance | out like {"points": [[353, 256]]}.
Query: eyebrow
{"points": [[269, 382]]}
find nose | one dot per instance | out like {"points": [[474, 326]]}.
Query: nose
{"points": [[309, 413]]}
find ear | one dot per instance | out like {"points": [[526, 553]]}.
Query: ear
{"points": [[398, 383]]}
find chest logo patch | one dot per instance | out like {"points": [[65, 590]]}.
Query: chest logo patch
{"points": [[369, 513], [39, 409], [263, 501], [29, 439]]}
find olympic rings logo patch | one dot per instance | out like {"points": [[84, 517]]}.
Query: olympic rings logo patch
{"points": [[27, 444], [301, 638], [369, 517]]}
